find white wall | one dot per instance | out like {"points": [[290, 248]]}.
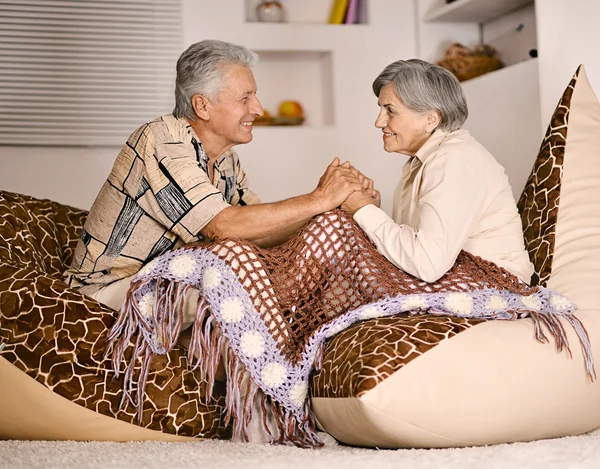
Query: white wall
{"points": [[568, 35], [70, 175], [506, 120], [358, 53]]}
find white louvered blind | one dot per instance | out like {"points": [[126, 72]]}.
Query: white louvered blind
{"points": [[79, 72]]}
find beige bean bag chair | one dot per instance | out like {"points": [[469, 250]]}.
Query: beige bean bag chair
{"points": [[439, 381]]}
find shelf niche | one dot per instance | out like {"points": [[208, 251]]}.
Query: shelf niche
{"points": [[298, 11], [303, 76]]}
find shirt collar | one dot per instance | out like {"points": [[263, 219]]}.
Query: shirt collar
{"points": [[191, 135], [431, 145]]}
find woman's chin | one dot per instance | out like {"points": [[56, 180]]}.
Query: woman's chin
{"points": [[389, 147]]}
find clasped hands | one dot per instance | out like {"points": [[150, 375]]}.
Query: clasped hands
{"points": [[344, 186]]}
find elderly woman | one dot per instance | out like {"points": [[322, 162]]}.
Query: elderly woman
{"points": [[453, 194]]}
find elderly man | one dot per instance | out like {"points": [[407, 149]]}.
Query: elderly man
{"points": [[178, 179]]}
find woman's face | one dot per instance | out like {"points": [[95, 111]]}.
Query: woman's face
{"points": [[404, 131]]}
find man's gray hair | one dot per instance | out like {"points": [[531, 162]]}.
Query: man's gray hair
{"points": [[423, 87], [201, 69]]}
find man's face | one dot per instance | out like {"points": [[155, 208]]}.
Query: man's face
{"points": [[235, 108]]}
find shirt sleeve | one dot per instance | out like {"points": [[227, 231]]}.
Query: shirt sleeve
{"points": [[243, 195], [185, 199], [450, 201]]}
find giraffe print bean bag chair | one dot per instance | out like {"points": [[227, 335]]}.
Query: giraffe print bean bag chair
{"points": [[442, 381], [56, 383]]}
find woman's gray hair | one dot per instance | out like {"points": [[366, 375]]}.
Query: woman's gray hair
{"points": [[201, 69], [423, 87]]}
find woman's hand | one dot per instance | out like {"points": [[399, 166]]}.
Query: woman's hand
{"points": [[358, 200], [368, 195]]}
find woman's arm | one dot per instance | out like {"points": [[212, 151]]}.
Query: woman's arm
{"points": [[451, 196]]}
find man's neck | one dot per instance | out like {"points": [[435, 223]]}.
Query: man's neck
{"points": [[213, 145]]}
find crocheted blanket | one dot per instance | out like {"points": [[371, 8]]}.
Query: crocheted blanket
{"points": [[268, 313]]}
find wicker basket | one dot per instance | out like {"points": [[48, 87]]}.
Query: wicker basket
{"points": [[466, 64]]}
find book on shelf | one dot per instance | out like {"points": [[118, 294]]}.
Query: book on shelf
{"points": [[338, 11], [361, 13], [351, 13]]}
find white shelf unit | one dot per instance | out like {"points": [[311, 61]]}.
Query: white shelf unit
{"points": [[297, 63], [298, 11], [507, 25], [474, 11]]}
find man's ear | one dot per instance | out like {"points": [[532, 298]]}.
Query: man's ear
{"points": [[432, 121], [201, 106]]}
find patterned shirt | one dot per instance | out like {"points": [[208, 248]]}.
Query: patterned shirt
{"points": [[158, 196]]}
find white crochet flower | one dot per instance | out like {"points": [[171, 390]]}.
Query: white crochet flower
{"points": [[146, 304], [336, 329], [371, 312], [532, 302], [461, 303], [182, 265], [211, 278], [273, 375], [232, 310], [252, 344], [298, 393], [496, 303], [414, 302], [149, 267], [560, 303]]}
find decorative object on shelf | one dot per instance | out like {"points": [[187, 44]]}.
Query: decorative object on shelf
{"points": [[338, 11], [352, 12], [348, 12], [291, 109], [265, 119], [465, 63], [290, 113], [270, 12]]}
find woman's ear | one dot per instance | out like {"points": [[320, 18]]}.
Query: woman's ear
{"points": [[201, 106], [432, 121]]}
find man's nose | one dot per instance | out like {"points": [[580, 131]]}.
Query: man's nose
{"points": [[256, 108]]}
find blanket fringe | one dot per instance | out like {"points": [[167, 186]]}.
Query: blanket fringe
{"points": [[552, 324], [169, 297], [244, 397]]}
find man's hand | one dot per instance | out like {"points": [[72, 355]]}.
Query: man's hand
{"points": [[336, 184]]}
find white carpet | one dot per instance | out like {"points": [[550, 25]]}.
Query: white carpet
{"points": [[581, 452]]}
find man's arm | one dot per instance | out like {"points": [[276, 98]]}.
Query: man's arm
{"points": [[271, 223]]}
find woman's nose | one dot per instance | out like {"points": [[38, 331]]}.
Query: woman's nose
{"points": [[380, 122]]}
